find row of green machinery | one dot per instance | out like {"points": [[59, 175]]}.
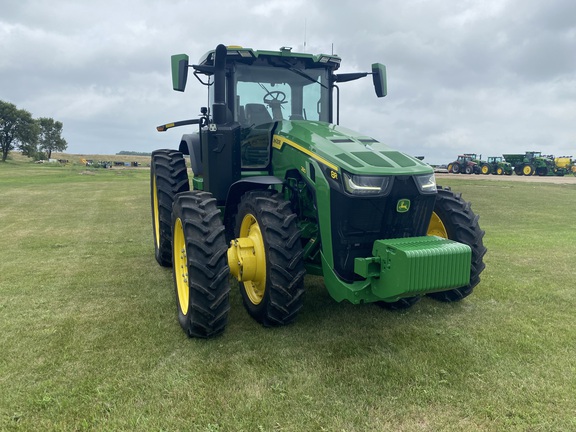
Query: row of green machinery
{"points": [[534, 163], [279, 190], [529, 163]]}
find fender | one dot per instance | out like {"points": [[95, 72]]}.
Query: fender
{"points": [[190, 145], [238, 189]]}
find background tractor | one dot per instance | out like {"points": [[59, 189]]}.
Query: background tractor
{"points": [[468, 163], [532, 163], [278, 190], [496, 165]]}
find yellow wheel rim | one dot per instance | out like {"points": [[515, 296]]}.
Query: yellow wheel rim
{"points": [[484, 170], [500, 171], [255, 287], [181, 266], [436, 227], [155, 213], [527, 170]]}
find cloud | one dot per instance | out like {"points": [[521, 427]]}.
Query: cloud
{"points": [[488, 77]]}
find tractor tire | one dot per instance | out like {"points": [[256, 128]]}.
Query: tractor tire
{"points": [[486, 169], [200, 265], [168, 177], [528, 170], [459, 223], [518, 170], [500, 171], [450, 167], [275, 294], [456, 168], [542, 171], [468, 169]]}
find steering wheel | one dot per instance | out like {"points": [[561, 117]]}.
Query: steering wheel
{"points": [[275, 97]]}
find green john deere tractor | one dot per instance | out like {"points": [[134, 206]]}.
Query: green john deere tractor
{"points": [[279, 190], [531, 163], [495, 165]]}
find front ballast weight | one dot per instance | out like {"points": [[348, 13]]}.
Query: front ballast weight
{"points": [[415, 266]]}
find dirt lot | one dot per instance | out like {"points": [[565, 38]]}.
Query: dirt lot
{"points": [[569, 179]]}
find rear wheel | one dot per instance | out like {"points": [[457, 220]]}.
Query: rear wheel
{"points": [[528, 170], [200, 266], [168, 177], [450, 167], [456, 168], [267, 258], [485, 169], [454, 219], [469, 169]]}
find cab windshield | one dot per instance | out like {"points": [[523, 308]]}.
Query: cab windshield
{"points": [[265, 94]]}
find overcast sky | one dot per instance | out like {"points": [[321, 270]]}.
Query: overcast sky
{"points": [[484, 76]]}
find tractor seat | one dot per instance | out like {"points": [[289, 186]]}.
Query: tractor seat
{"points": [[256, 114]]}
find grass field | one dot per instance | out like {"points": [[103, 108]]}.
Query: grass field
{"points": [[90, 341]]}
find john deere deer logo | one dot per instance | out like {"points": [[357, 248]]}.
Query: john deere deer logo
{"points": [[403, 205]]}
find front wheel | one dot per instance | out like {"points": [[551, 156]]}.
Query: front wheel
{"points": [[454, 219], [200, 267], [266, 257]]}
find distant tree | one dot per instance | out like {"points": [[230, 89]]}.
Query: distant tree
{"points": [[31, 150], [51, 136], [17, 129]]}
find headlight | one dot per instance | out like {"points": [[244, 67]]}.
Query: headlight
{"points": [[365, 185], [426, 183]]}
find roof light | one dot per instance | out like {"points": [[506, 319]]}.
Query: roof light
{"points": [[239, 51], [329, 59]]}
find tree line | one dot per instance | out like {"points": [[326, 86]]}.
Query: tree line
{"points": [[35, 138]]}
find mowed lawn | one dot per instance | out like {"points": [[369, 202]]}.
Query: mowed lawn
{"points": [[89, 337]]}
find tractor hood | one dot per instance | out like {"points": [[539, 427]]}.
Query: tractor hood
{"points": [[345, 149]]}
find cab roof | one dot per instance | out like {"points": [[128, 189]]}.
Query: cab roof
{"points": [[284, 57]]}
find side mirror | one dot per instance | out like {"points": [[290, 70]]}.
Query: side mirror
{"points": [[379, 78], [179, 71]]}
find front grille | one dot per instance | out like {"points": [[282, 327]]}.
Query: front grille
{"points": [[357, 222]]}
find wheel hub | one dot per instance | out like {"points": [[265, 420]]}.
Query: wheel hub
{"points": [[247, 259], [242, 259]]}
